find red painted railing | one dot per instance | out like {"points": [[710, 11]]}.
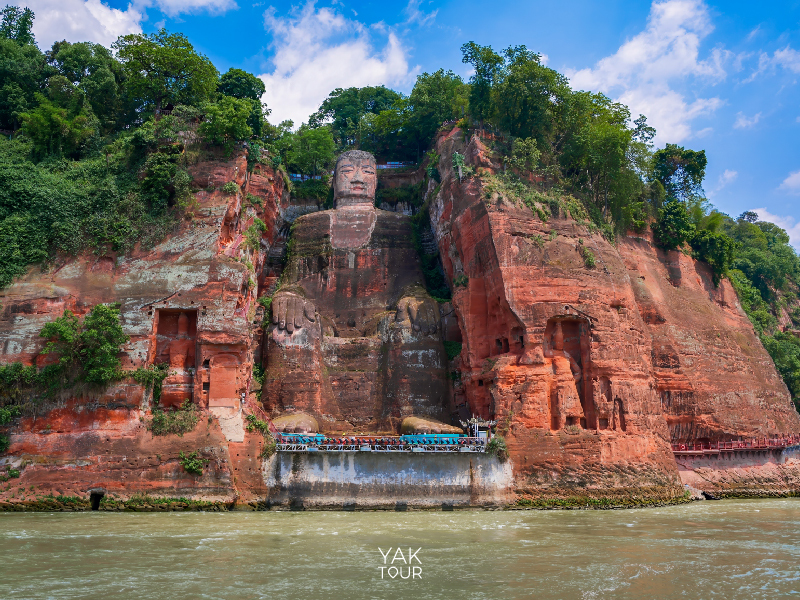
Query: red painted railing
{"points": [[774, 443]]}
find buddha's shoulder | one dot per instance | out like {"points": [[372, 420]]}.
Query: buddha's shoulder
{"points": [[391, 216], [314, 219]]}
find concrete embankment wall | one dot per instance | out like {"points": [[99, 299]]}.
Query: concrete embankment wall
{"points": [[339, 480], [755, 474]]}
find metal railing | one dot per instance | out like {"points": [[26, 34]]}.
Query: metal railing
{"points": [[773, 443], [379, 445]]}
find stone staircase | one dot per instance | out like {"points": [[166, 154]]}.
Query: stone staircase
{"points": [[428, 241]]}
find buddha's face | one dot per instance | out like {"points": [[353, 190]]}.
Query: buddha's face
{"points": [[355, 182]]}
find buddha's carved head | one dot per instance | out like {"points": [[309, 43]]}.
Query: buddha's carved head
{"points": [[355, 179]]}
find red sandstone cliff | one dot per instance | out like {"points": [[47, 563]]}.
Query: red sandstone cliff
{"points": [[589, 371], [650, 350], [200, 271]]}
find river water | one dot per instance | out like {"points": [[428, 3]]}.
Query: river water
{"points": [[727, 549]]}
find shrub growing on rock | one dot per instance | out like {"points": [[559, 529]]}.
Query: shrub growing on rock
{"points": [[178, 422], [497, 448], [716, 249], [192, 463], [673, 226]]}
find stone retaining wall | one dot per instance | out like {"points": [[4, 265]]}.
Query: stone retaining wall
{"points": [[754, 474], [386, 481]]}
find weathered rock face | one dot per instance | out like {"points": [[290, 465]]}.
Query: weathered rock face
{"points": [[713, 376], [569, 359], [589, 372], [188, 302], [77, 448]]}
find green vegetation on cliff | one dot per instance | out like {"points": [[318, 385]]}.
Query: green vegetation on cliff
{"points": [[765, 272], [173, 422], [96, 144], [79, 355]]}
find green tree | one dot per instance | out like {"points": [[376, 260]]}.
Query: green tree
{"points": [[93, 70], [437, 97], [226, 121], [87, 351], [23, 73], [17, 24], [673, 226], [312, 150], [386, 133], [529, 98], [241, 84], [163, 68], [596, 151], [681, 171], [764, 255], [524, 154], [100, 340], [716, 249], [488, 65], [163, 179], [245, 86], [343, 110], [56, 130], [21, 244], [784, 348]]}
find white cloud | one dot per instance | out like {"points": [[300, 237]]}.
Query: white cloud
{"points": [[784, 222], [753, 33], [640, 73], [318, 50], [738, 60], [726, 178], [788, 58], [792, 183], [743, 122], [96, 21], [81, 21], [415, 15], [177, 7]]}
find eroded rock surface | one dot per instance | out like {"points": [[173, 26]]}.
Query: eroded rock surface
{"points": [[589, 372], [189, 302], [576, 363]]}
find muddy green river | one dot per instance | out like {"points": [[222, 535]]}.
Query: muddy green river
{"points": [[727, 549]]}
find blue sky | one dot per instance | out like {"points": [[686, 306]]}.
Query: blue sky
{"points": [[713, 75]]}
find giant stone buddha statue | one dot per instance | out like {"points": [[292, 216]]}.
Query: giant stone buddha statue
{"points": [[355, 338]]}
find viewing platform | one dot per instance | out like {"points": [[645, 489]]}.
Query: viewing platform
{"points": [[402, 444]]}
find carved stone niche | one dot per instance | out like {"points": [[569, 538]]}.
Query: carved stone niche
{"points": [[567, 346], [176, 334]]}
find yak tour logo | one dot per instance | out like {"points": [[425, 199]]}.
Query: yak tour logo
{"points": [[401, 565]]}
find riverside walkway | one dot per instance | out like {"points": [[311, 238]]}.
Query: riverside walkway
{"points": [[403, 444], [754, 444]]}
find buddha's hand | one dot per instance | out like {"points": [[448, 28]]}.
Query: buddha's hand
{"points": [[420, 314], [290, 311]]}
